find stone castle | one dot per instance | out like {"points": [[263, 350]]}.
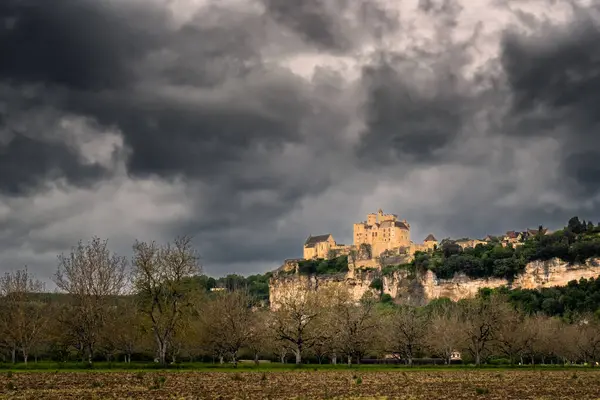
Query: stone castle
{"points": [[388, 240], [384, 235], [380, 233]]}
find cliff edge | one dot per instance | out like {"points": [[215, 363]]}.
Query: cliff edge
{"points": [[419, 289]]}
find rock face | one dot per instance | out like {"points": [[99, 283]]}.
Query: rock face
{"points": [[420, 290]]}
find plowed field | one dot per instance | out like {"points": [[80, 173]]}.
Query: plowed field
{"points": [[449, 384]]}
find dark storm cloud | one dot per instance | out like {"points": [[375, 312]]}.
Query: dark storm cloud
{"points": [[47, 161], [99, 65], [554, 78], [210, 104], [82, 44], [311, 19], [196, 102], [404, 123], [53, 49], [196, 137], [32, 150], [335, 25], [584, 168], [560, 71]]}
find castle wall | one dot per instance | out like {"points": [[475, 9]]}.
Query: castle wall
{"points": [[309, 252], [400, 285], [426, 246]]}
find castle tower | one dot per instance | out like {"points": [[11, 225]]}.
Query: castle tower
{"points": [[371, 219]]}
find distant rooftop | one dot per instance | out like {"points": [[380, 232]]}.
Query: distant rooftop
{"points": [[430, 238]]}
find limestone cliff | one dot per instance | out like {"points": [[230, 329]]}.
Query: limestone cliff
{"points": [[422, 289]]}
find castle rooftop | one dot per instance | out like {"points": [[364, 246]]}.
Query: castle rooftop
{"points": [[313, 240]]}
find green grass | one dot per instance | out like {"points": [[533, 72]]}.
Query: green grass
{"points": [[249, 367]]}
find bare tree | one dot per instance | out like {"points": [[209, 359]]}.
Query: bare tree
{"points": [[93, 277], [295, 319], [511, 337], [228, 322], [127, 329], [546, 334], [24, 318], [354, 325], [261, 338], [480, 321], [406, 331], [587, 338], [444, 332], [566, 342], [159, 277]]}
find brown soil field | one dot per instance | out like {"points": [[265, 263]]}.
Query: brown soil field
{"points": [[440, 384]]}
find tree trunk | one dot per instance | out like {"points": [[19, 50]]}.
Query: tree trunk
{"points": [[221, 360], [162, 354], [298, 357], [14, 355], [334, 359], [256, 359], [90, 354], [25, 352], [349, 360]]}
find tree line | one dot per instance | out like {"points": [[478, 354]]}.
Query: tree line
{"points": [[157, 306]]}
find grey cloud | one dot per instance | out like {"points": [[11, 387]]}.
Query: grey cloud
{"points": [[268, 157], [440, 7], [32, 151], [334, 25], [405, 122], [82, 44], [584, 169], [196, 103], [47, 161], [310, 18], [50, 49], [554, 78], [193, 106]]}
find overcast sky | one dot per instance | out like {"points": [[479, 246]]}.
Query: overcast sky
{"points": [[251, 124]]}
